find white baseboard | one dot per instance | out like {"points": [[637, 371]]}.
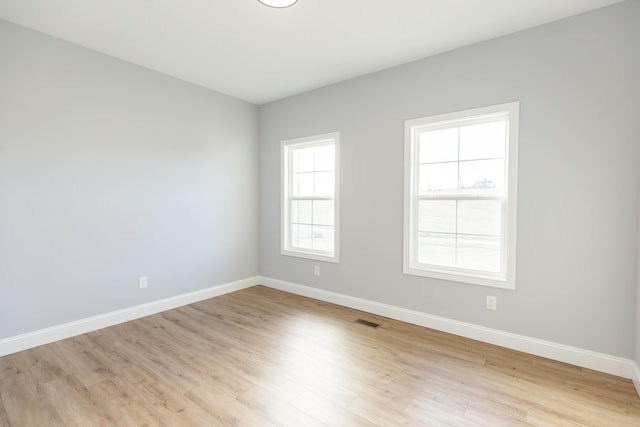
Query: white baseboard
{"points": [[636, 377], [66, 330], [588, 359], [585, 358]]}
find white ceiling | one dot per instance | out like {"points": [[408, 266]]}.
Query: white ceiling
{"points": [[256, 53]]}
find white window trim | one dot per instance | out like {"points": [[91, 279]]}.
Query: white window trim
{"points": [[334, 137], [509, 231]]}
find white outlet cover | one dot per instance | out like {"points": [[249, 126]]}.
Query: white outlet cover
{"points": [[143, 281]]}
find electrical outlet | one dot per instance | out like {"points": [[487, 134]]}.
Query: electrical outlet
{"points": [[143, 282], [492, 304], [316, 270]]}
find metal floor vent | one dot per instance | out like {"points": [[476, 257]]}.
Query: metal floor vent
{"points": [[367, 323]]}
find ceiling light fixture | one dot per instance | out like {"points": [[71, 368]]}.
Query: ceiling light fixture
{"points": [[278, 3]]}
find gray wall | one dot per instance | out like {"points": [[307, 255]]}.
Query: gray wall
{"points": [[577, 83], [109, 171], [637, 337]]}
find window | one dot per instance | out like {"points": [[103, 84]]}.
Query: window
{"points": [[309, 197], [460, 196]]}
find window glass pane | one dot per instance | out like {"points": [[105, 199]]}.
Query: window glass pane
{"points": [[437, 215], [480, 217], [323, 238], [303, 159], [458, 219], [323, 212], [301, 211], [324, 184], [325, 158], [302, 236], [482, 141], [309, 186], [439, 146], [482, 175], [479, 252], [438, 177], [303, 184], [437, 248]]}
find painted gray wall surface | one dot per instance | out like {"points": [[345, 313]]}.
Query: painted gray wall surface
{"points": [[109, 171], [577, 83], [637, 337]]}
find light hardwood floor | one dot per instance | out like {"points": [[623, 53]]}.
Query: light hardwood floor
{"points": [[261, 357]]}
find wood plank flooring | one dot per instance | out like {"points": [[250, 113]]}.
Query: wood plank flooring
{"points": [[261, 357]]}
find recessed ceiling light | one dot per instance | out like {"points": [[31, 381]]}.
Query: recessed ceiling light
{"points": [[278, 3]]}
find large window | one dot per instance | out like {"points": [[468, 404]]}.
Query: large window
{"points": [[460, 196], [309, 197]]}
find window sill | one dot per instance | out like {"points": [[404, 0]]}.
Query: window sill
{"points": [[460, 277], [310, 255]]}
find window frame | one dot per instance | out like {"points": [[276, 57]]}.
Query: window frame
{"points": [[504, 279], [286, 148]]}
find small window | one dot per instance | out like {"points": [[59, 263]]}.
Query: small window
{"points": [[460, 196], [309, 197]]}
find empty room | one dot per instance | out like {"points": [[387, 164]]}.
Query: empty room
{"points": [[319, 213]]}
